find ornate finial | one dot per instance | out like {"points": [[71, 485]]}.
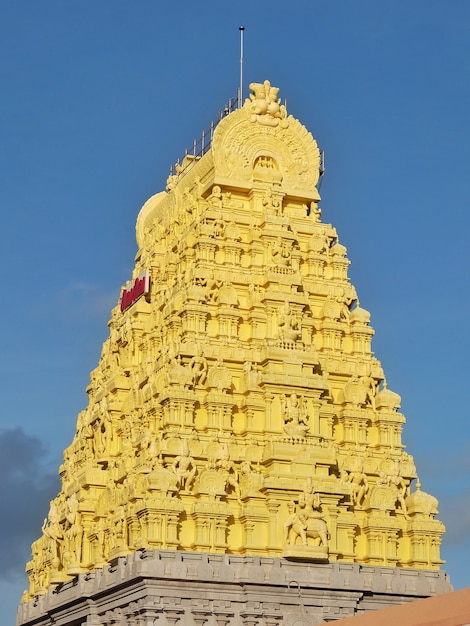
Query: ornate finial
{"points": [[265, 107]]}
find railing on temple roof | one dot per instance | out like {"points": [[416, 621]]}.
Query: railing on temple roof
{"points": [[202, 145]]}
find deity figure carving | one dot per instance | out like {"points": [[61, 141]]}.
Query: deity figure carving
{"points": [[86, 434], [40, 576], [120, 527], [255, 294], [392, 481], [289, 327], [251, 479], [281, 252], [215, 199], [171, 182], [229, 472], [359, 483], [218, 227], [252, 375], [190, 202], [213, 286], [100, 535], [265, 106], [150, 445], [179, 375], [315, 211], [370, 387], [74, 530], [271, 202], [53, 530], [334, 309], [307, 520], [360, 390], [295, 415], [185, 468], [319, 242], [198, 367]]}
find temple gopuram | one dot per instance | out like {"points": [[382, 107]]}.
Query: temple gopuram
{"points": [[240, 460]]}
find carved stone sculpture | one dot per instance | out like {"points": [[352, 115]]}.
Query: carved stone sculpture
{"points": [[243, 376]]}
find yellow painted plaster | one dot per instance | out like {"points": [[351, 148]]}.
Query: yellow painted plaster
{"points": [[237, 405]]}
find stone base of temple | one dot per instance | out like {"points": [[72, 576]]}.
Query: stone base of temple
{"points": [[192, 588]]}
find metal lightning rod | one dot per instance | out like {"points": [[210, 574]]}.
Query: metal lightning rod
{"points": [[240, 89]]}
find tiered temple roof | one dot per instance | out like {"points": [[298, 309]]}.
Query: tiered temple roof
{"points": [[237, 406]]}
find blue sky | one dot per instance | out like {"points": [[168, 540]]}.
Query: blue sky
{"points": [[99, 99]]}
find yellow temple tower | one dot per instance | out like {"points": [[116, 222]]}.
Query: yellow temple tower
{"points": [[240, 460]]}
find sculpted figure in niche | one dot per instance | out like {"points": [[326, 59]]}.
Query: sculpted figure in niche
{"points": [[74, 531], [397, 483], [250, 478], [185, 469], [359, 484], [370, 387], [255, 294], [40, 575], [227, 468], [281, 252], [117, 523], [215, 199], [271, 203], [179, 375], [171, 182], [218, 227], [334, 309], [120, 526], [87, 435], [355, 392], [314, 211], [189, 201], [198, 186], [212, 293], [307, 520], [289, 327], [101, 539], [198, 366], [295, 416], [319, 243], [53, 530], [252, 374]]}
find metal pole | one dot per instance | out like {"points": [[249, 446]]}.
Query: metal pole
{"points": [[240, 89]]}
